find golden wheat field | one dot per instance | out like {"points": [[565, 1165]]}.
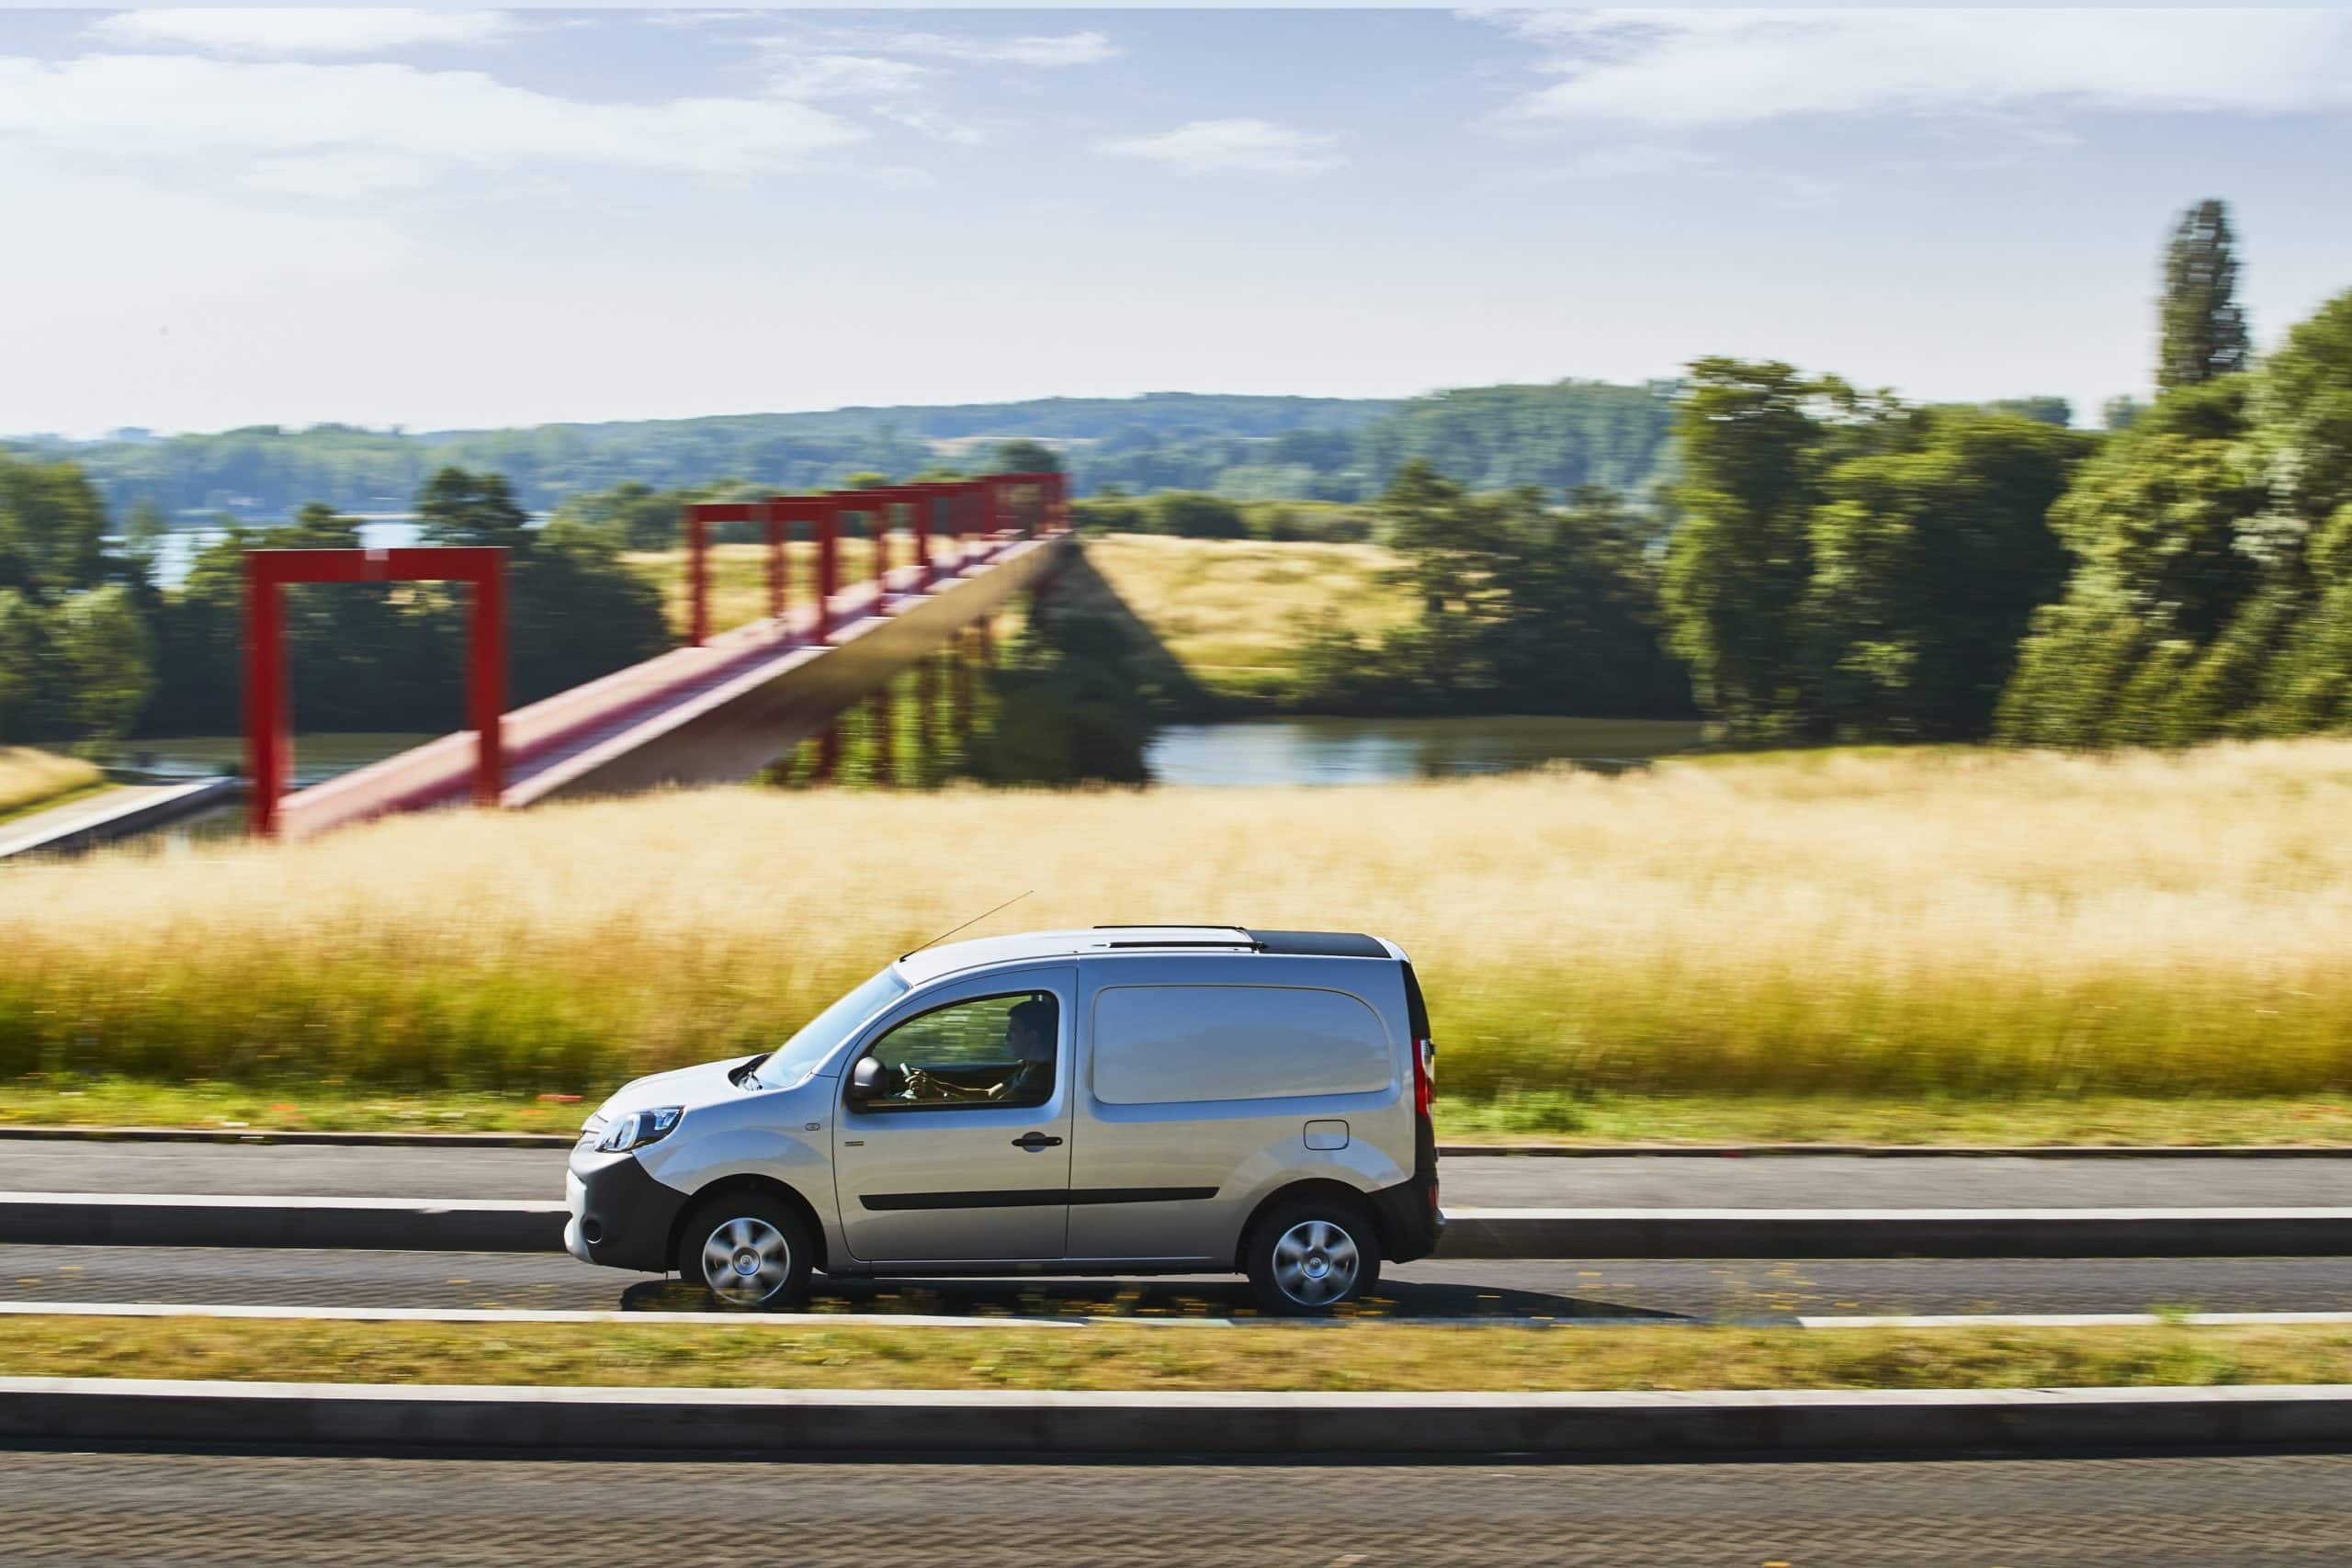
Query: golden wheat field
{"points": [[29, 776], [1936, 923], [1232, 611]]}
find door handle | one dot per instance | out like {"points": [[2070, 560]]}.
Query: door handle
{"points": [[1035, 1140]]}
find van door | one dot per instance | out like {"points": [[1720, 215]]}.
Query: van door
{"points": [[959, 1151], [1206, 1079]]}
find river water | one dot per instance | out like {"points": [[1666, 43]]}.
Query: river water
{"points": [[1384, 751], [1269, 752], [175, 551]]}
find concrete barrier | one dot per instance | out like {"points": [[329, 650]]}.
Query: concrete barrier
{"points": [[1898, 1232], [390, 1225], [435, 1225], [548, 1420]]}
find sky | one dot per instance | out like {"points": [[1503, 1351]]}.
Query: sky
{"points": [[439, 218]]}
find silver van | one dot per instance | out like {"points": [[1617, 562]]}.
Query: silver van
{"points": [[1128, 1099]]}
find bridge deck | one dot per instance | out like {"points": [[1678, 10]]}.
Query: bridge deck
{"points": [[716, 713]]}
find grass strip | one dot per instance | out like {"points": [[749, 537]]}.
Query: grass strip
{"points": [[1600, 1121], [1359, 1356]]}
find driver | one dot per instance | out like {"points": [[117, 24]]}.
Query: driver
{"points": [[1028, 1040]]}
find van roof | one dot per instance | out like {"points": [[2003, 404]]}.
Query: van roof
{"points": [[931, 963]]}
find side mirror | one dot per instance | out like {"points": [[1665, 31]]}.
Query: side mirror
{"points": [[864, 1080]]}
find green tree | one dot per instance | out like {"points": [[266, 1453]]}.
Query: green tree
{"points": [[1525, 607], [104, 648], [1927, 562], [2153, 522], [1196, 516], [27, 670], [1755, 444], [2212, 591], [458, 507], [636, 516], [2040, 410], [2202, 329], [1026, 457], [52, 529]]}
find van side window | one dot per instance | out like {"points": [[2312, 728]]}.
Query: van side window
{"points": [[1166, 1044], [991, 1051]]}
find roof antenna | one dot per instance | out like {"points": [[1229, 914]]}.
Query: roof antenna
{"points": [[974, 920]]}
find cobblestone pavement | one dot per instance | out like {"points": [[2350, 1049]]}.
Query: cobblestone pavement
{"points": [[162, 1511]]}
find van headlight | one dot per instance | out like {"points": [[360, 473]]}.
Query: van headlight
{"points": [[639, 1128]]}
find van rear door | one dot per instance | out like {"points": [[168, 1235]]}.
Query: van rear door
{"points": [[1199, 1075]]}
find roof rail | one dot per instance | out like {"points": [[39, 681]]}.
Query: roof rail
{"points": [[1172, 926], [1244, 940]]}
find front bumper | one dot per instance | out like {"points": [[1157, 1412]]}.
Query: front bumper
{"points": [[621, 1217]]}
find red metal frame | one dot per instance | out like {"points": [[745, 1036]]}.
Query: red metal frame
{"points": [[269, 746], [696, 518], [985, 506], [829, 567], [920, 499]]}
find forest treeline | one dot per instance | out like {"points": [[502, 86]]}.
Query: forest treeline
{"points": [[1244, 449], [1845, 567], [93, 648], [1813, 562]]}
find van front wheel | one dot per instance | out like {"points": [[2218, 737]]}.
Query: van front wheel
{"points": [[1312, 1254], [750, 1250]]}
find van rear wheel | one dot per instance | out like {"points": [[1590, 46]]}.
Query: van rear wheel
{"points": [[750, 1250], [1312, 1254]]}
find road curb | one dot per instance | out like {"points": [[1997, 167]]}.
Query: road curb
{"points": [[274, 1135], [385, 1225], [428, 1225], [545, 1420], [1896, 1233], [330, 1139]]}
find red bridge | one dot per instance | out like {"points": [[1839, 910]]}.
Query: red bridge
{"points": [[718, 709]]}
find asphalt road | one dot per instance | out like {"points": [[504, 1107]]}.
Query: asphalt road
{"points": [[1779, 1182], [160, 1510], [1762, 1290]]}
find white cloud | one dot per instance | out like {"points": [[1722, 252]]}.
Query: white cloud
{"points": [[845, 75], [931, 123], [1233, 147], [1066, 48], [1048, 51], [210, 112], [336, 176], [295, 31], [1698, 68], [1636, 159]]}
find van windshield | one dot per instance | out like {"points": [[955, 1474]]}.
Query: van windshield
{"points": [[798, 1057]]}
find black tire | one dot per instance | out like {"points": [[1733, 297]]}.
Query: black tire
{"points": [[1311, 1255], [748, 1250]]}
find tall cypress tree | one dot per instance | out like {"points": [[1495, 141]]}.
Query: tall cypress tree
{"points": [[2202, 326]]}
